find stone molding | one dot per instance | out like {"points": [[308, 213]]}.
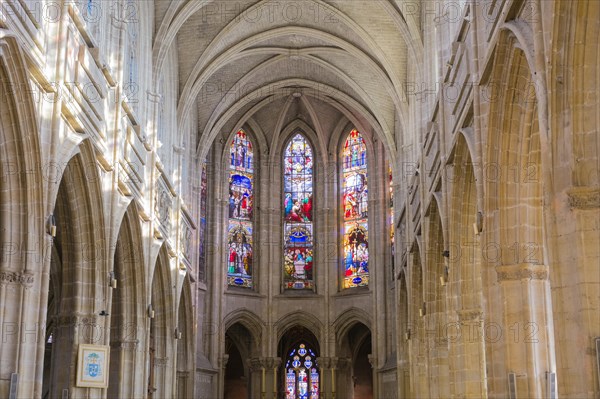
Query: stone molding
{"points": [[584, 197], [469, 315], [522, 272], [256, 364], [161, 361], [25, 279], [127, 345], [75, 318]]}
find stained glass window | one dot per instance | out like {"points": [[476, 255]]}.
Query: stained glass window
{"points": [[355, 204], [392, 224], [202, 227], [240, 208], [298, 214], [302, 374]]}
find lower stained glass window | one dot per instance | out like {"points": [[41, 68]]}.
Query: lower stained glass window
{"points": [[302, 374]]}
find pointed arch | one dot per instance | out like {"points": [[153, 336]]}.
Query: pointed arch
{"points": [[127, 314], [185, 337], [161, 362], [348, 319], [299, 318], [251, 321]]}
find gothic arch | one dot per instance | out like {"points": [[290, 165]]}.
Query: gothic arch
{"points": [[516, 220], [257, 138], [185, 337], [435, 311], [417, 338], [250, 321], [515, 148], [575, 79], [464, 284], [80, 274], [283, 137], [23, 215], [465, 255], [298, 318], [347, 319], [403, 323], [22, 162], [128, 313], [162, 330], [354, 353], [280, 89]]}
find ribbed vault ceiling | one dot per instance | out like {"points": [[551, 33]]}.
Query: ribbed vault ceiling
{"points": [[270, 62]]}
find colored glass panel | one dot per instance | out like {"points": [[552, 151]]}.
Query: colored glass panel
{"points": [[298, 214], [302, 375], [392, 224], [240, 211], [355, 206], [202, 227]]}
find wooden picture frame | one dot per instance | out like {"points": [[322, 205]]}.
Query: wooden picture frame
{"points": [[92, 366]]}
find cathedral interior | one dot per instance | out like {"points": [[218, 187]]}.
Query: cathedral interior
{"points": [[300, 199]]}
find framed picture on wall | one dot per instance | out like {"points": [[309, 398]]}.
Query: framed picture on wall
{"points": [[92, 366]]}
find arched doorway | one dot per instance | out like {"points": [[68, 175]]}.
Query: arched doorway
{"points": [[356, 375], [300, 377], [238, 347]]}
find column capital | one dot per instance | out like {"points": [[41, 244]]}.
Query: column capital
{"points": [[223, 361], [522, 271], [334, 362], [272, 362], [372, 360], [254, 364]]}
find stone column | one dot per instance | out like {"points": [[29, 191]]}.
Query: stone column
{"points": [[325, 381], [525, 289], [272, 365], [468, 340], [220, 389]]}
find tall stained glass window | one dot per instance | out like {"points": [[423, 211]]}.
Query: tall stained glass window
{"points": [[355, 203], [298, 214], [240, 207], [202, 227], [302, 374], [392, 223]]}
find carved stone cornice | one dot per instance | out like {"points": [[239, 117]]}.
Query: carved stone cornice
{"points": [[339, 363], [469, 315], [25, 279], [161, 361], [323, 362], [256, 364], [584, 197], [522, 272], [272, 362], [72, 319], [372, 360], [223, 361], [124, 344]]}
